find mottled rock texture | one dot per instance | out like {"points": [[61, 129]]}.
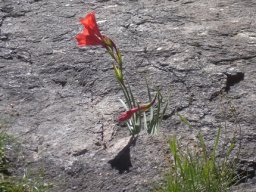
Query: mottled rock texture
{"points": [[62, 100]]}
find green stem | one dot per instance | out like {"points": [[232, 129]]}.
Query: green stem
{"points": [[124, 89], [126, 94]]}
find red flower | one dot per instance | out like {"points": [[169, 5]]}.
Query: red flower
{"points": [[128, 114], [91, 34]]}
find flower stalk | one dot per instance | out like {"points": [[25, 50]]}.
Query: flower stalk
{"points": [[91, 36]]}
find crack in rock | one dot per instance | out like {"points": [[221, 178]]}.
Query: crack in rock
{"points": [[233, 79]]}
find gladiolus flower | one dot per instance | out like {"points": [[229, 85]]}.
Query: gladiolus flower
{"points": [[91, 34], [128, 114]]}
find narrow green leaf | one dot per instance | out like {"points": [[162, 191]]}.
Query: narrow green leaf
{"points": [[230, 149], [124, 105], [184, 120], [145, 121], [202, 143], [131, 95], [216, 143]]}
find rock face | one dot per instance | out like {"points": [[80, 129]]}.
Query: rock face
{"points": [[62, 100]]}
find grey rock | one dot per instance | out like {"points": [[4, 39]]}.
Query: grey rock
{"points": [[67, 97]]}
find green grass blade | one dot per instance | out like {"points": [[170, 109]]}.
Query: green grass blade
{"points": [[184, 120], [216, 143]]}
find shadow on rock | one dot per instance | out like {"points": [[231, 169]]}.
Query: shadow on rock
{"points": [[122, 161]]}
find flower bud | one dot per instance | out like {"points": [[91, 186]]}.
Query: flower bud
{"points": [[118, 74]]}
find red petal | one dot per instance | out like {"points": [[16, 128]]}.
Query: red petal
{"points": [[87, 40], [127, 114], [89, 22], [87, 32]]}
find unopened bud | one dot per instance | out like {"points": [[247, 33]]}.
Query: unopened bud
{"points": [[118, 74]]}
